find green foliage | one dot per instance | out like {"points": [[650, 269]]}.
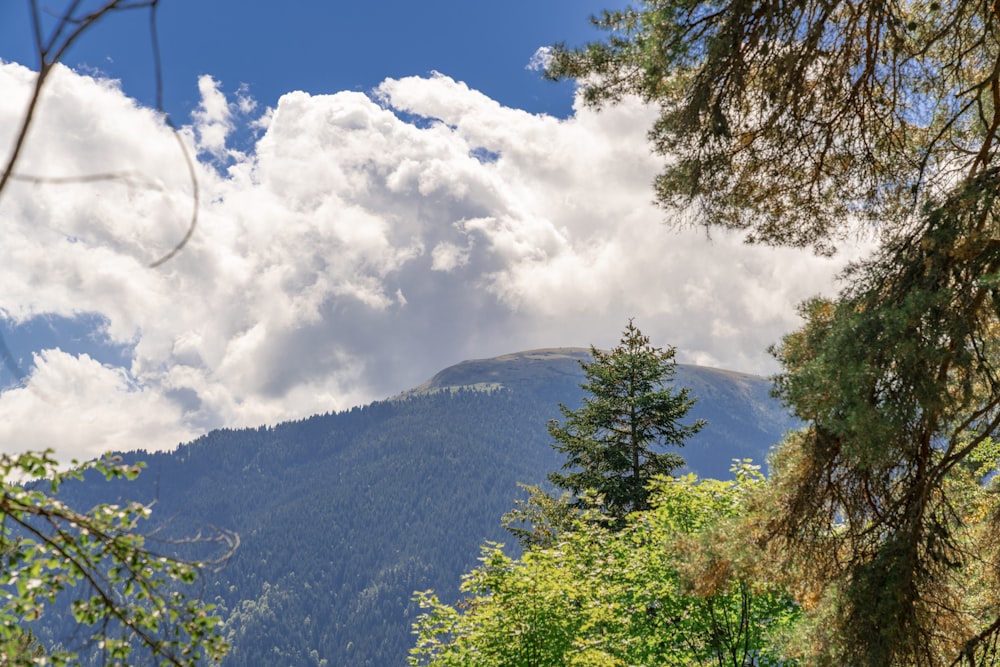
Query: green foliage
{"points": [[800, 121], [538, 520], [126, 599], [663, 590], [796, 122], [628, 413], [340, 515], [890, 487]]}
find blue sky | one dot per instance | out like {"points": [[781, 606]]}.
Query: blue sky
{"points": [[386, 189], [326, 47]]}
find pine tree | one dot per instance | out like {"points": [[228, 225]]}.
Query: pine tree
{"points": [[612, 441], [800, 123]]}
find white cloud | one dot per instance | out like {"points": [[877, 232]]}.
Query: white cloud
{"points": [[81, 408], [540, 59], [354, 252], [213, 119], [448, 256]]}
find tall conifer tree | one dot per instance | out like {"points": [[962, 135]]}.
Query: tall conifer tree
{"points": [[613, 442]]}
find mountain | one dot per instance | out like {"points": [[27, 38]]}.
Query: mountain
{"points": [[744, 421], [342, 516]]}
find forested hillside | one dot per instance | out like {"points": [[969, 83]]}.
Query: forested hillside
{"points": [[341, 517]]}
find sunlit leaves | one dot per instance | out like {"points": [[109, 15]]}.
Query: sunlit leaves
{"points": [[659, 591], [126, 599], [798, 122]]}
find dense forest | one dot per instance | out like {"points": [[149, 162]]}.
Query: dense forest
{"points": [[342, 517]]}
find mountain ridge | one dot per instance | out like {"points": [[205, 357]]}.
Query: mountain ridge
{"points": [[567, 358], [343, 516], [551, 366]]}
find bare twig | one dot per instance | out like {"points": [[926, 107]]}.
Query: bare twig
{"points": [[68, 29]]}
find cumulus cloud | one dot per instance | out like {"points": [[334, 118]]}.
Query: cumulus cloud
{"points": [[447, 256], [213, 119], [82, 409], [363, 244], [540, 59]]}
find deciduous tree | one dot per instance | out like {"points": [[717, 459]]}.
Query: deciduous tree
{"points": [[662, 590], [127, 599]]}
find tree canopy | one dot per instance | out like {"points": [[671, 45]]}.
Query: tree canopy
{"points": [[660, 591], [800, 122], [889, 496], [613, 441], [126, 598]]}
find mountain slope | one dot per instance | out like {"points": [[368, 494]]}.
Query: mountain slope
{"points": [[342, 516], [743, 420]]}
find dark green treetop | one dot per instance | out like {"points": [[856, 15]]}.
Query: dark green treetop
{"points": [[630, 413], [800, 121]]}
